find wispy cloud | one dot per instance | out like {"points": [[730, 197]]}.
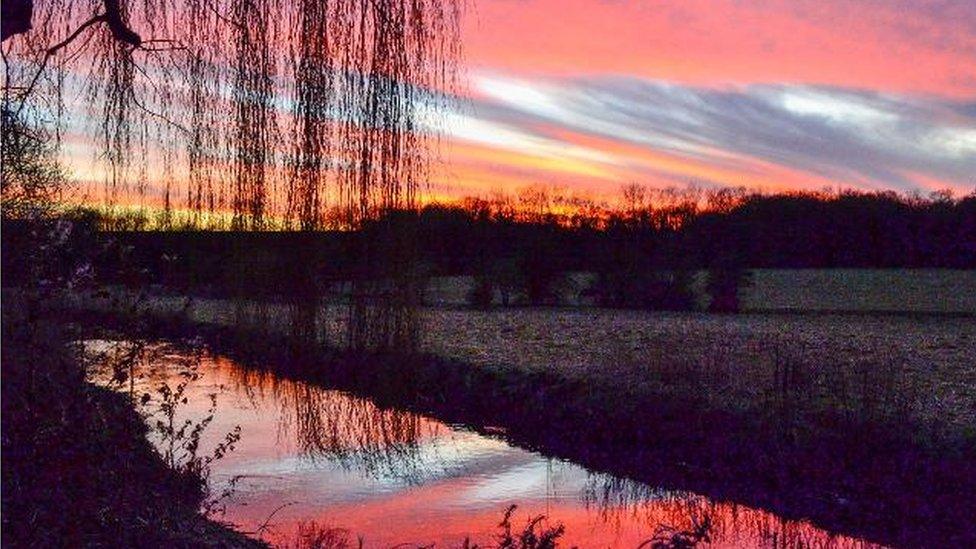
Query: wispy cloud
{"points": [[783, 135], [780, 94]]}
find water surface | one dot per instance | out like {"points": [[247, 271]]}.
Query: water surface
{"points": [[312, 459]]}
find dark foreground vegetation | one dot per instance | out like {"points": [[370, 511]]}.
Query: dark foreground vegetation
{"points": [[78, 469]]}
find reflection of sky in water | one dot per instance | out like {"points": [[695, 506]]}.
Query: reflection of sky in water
{"points": [[395, 477]]}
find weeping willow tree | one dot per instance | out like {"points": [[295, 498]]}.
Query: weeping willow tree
{"points": [[287, 113], [263, 108]]}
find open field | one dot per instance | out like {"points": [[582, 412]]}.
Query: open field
{"points": [[929, 291], [924, 367], [862, 290], [915, 370]]}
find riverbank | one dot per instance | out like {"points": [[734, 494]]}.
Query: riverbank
{"points": [[904, 370], [766, 429], [77, 468]]}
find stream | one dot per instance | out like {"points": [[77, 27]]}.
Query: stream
{"points": [[317, 463]]}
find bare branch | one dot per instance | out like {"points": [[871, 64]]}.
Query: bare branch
{"points": [[120, 30], [52, 51]]}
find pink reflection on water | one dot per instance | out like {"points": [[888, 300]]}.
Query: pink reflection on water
{"points": [[313, 459]]}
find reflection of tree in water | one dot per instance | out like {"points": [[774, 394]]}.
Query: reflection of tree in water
{"points": [[325, 425], [135, 364], [343, 429], [617, 501]]}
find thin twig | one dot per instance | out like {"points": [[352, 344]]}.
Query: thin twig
{"points": [[164, 118], [224, 18], [178, 47], [264, 525], [51, 51]]}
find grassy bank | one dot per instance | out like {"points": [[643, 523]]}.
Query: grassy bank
{"points": [[860, 434], [78, 469]]}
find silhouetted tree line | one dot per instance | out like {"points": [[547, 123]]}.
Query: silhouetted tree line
{"points": [[518, 250], [644, 253], [850, 229]]}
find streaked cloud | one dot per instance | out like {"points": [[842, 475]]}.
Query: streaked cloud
{"points": [[622, 128], [778, 94]]}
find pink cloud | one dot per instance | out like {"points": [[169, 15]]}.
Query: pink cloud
{"points": [[916, 47]]}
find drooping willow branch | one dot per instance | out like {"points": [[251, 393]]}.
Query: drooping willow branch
{"points": [[293, 112], [18, 15], [53, 50], [289, 113]]}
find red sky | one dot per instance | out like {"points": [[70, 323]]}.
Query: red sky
{"points": [[592, 94], [889, 45]]}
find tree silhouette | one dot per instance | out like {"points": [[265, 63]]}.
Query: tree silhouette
{"points": [[273, 110]]}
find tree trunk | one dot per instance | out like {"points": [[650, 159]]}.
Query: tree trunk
{"points": [[15, 18]]}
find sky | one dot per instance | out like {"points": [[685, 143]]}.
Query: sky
{"points": [[774, 95], [590, 95]]}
